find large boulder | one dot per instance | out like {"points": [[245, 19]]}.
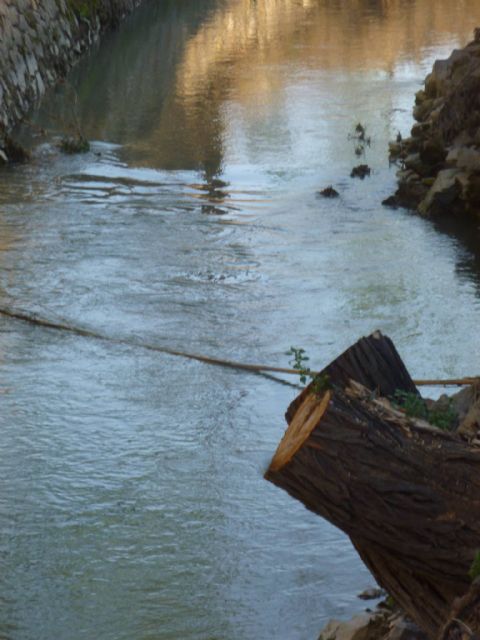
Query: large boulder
{"points": [[443, 193]]}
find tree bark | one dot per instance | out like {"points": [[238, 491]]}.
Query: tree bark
{"points": [[464, 618], [373, 362], [407, 493]]}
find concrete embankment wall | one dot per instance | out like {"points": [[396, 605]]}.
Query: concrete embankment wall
{"points": [[40, 40]]}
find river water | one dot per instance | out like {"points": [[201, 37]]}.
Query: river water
{"points": [[132, 503]]}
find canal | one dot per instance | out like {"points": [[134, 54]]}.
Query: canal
{"points": [[132, 502]]}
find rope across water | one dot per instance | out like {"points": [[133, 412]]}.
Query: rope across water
{"points": [[220, 362]]}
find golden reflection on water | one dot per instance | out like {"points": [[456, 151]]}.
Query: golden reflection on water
{"points": [[166, 83], [243, 50], [329, 34]]}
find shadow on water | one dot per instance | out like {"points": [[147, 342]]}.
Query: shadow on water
{"points": [[126, 91], [467, 233]]}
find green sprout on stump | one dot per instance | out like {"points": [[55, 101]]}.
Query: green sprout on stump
{"points": [[297, 362], [320, 382]]}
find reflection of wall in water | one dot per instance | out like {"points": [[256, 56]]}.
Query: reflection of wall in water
{"points": [[123, 86], [161, 85], [241, 51]]}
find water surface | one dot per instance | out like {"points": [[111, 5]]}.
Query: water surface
{"points": [[132, 503]]}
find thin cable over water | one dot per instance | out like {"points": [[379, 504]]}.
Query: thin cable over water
{"points": [[258, 369], [264, 371]]}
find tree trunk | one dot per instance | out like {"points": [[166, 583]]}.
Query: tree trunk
{"points": [[464, 618], [373, 362], [407, 493]]}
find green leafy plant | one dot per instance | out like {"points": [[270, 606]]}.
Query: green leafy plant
{"points": [[411, 403], [474, 570], [443, 418], [415, 407], [320, 382], [297, 361]]}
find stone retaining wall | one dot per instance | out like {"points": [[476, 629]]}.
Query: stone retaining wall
{"points": [[40, 40]]}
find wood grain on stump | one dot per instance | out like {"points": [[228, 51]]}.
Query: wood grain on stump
{"points": [[407, 493]]}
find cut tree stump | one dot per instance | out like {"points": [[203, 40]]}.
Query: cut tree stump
{"points": [[464, 618], [406, 492]]}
